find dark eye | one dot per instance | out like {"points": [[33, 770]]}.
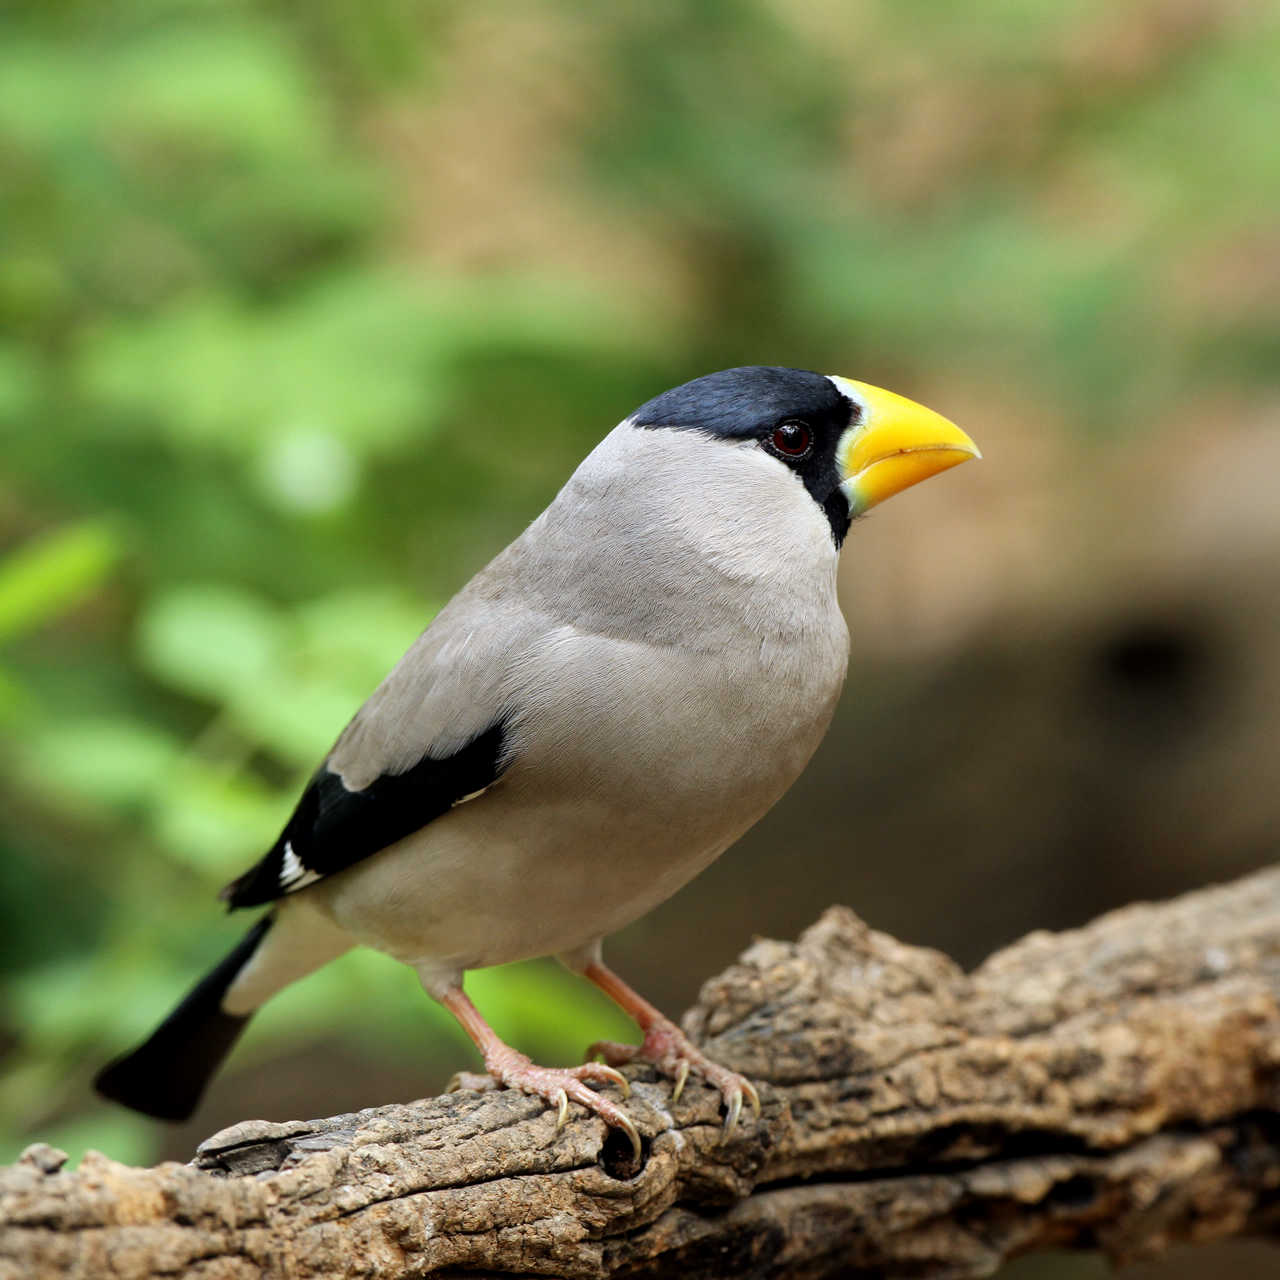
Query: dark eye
{"points": [[791, 440]]}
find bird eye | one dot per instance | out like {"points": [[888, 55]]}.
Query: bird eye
{"points": [[791, 440]]}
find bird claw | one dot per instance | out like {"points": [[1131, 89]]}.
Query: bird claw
{"points": [[744, 1089], [668, 1049], [681, 1076], [602, 1071], [559, 1086], [734, 1099], [630, 1130]]}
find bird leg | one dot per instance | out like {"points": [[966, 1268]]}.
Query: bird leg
{"points": [[666, 1047], [557, 1085]]}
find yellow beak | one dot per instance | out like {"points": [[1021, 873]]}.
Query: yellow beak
{"points": [[897, 443]]}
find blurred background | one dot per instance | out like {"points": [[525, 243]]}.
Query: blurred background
{"points": [[306, 309]]}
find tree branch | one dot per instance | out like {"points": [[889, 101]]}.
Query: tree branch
{"points": [[1116, 1087]]}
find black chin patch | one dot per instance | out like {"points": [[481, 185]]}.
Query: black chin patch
{"points": [[748, 404], [838, 517]]}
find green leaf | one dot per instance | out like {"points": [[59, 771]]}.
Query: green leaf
{"points": [[117, 763], [211, 641], [53, 573], [350, 360]]}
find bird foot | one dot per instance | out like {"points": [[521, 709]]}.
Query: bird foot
{"points": [[668, 1049], [558, 1086]]}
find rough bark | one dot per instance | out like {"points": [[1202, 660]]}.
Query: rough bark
{"points": [[1116, 1087]]}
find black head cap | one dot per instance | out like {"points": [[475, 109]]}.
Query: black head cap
{"points": [[751, 404], [741, 403]]}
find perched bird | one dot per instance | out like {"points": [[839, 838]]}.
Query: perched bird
{"points": [[593, 719]]}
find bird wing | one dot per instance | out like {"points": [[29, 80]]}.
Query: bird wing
{"points": [[434, 734]]}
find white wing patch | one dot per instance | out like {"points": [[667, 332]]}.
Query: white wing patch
{"points": [[293, 875]]}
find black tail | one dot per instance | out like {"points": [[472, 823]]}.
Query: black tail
{"points": [[166, 1076]]}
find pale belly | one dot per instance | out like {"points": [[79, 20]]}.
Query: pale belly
{"points": [[515, 880]]}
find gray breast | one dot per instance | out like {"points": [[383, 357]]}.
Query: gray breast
{"points": [[667, 650]]}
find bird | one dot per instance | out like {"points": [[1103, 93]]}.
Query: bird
{"points": [[594, 718]]}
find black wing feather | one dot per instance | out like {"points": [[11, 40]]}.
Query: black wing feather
{"points": [[333, 827]]}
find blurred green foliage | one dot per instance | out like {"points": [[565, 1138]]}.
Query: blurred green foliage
{"points": [[243, 447], [257, 417]]}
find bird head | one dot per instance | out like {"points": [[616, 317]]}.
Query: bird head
{"points": [[852, 445]]}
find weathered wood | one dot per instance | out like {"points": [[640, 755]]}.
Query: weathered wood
{"points": [[1115, 1087]]}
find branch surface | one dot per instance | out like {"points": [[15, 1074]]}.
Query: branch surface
{"points": [[1114, 1087]]}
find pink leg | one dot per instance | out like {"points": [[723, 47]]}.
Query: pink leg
{"points": [[556, 1085], [666, 1047]]}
